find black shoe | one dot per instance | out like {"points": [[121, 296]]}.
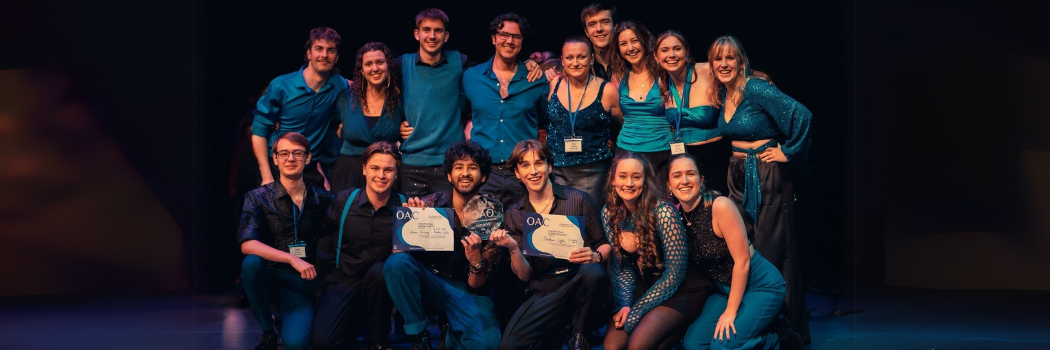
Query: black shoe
{"points": [[420, 341], [268, 341], [577, 341], [381, 347], [790, 340]]}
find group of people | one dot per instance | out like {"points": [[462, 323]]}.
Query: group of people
{"points": [[677, 166]]}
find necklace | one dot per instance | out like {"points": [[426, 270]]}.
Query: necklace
{"points": [[541, 211]]}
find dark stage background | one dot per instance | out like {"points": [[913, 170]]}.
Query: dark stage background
{"points": [[121, 123]]}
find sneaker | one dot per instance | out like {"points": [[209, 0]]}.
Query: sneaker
{"points": [[420, 341], [268, 341]]}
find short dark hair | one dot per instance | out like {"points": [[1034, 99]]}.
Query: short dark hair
{"points": [[324, 33], [497, 23], [381, 147], [594, 9], [292, 137], [530, 145], [433, 14], [468, 149]]}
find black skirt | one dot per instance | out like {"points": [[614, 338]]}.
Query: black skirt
{"points": [[690, 297]]}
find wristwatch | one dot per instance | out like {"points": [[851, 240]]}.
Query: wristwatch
{"points": [[477, 268]]}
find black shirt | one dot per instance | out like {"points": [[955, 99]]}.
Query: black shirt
{"points": [[268, 218], [454, 265], [367, 236], [567, 201]]}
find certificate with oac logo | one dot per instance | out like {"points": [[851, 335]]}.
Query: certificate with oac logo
{"points": [[552, 236], [428, 229]]}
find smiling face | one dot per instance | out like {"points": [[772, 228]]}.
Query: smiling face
{"points": [[630, 47], [629, 180], [726, 62], [684, 180], [671, 54], [431, 35], [290, 158], [576, 59], [322, 56], [599, 29], [380, 173], [374, 67], [533, 171], [465, 176], [508, 41]]}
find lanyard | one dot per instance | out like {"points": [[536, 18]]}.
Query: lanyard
{"points": [[296, 216], [568, 91], [678, 101]]}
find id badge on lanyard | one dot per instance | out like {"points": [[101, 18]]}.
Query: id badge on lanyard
{"points": [[574, 144], [297, 248], [678, 147]]}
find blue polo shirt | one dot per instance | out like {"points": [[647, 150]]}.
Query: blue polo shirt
{"points": [[293, 106], [500, 123]]}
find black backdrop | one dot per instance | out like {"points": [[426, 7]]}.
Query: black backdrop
{"points": [[169, 81]]}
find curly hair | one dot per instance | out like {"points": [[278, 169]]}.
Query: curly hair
{"points": [[644, 215], [322, 33], [707, 196], [467, 149], [664, 75], [497, 23], [393, 79], [618, 67]]}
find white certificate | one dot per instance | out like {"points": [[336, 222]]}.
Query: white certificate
{"points": [[428, 229], [552, 236]]}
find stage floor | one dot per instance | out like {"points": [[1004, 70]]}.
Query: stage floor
{"points": [[892, 319]]}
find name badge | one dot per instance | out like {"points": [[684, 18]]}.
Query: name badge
{"points": [[573, 145], [298, 249], [677, 148]]}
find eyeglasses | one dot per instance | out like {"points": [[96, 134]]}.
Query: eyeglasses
{"points": [[508, 36], [298, 155]]}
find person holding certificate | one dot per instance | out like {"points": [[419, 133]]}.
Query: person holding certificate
{"points": [[351, 261], [565, 291], [450, 282], [657, 296]]}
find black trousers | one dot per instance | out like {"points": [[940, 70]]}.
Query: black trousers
{"points": [[418, 181], [714, 157], [773, 232], [342, 300], [503, 185], [557, 301], [347, 173]]}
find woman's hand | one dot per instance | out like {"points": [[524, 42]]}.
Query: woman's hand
{"points": [[620, 318], [405, 130], [773, 154], [725, 324]]}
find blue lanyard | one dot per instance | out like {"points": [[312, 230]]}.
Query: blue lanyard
{"points": [[568, 91], [678, 101], [296, 216]]}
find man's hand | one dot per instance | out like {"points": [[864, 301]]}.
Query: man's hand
{"points": [[503, 239], [414, 202], [582, 255], [472, 248], [306, 271]]}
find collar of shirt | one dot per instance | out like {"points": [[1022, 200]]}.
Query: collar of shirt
{"points": [[559, 196], [519, 74], [362, 200], [441, 60], [301, 81], [279, 190]]}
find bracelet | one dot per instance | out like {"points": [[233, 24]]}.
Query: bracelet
{"points": [[600, 257], [476, 269]]}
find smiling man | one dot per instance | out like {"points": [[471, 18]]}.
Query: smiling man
{"points": [[598, 22], [307, 101], [278, 234], [453, 283], [572, 289], [353, 283], [506, 106]]}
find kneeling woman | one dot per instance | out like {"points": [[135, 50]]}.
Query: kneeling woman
{"points": [[750, 289], [657, 296], [352, 260]]}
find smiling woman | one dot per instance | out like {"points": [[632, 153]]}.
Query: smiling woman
{"points": [[374, 114]]}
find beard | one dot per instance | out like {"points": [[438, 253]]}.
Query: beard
{"points": [[472, 189]]}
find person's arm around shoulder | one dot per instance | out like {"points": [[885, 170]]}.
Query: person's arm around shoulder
{"points": [[611, 101], [729, 225]]}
